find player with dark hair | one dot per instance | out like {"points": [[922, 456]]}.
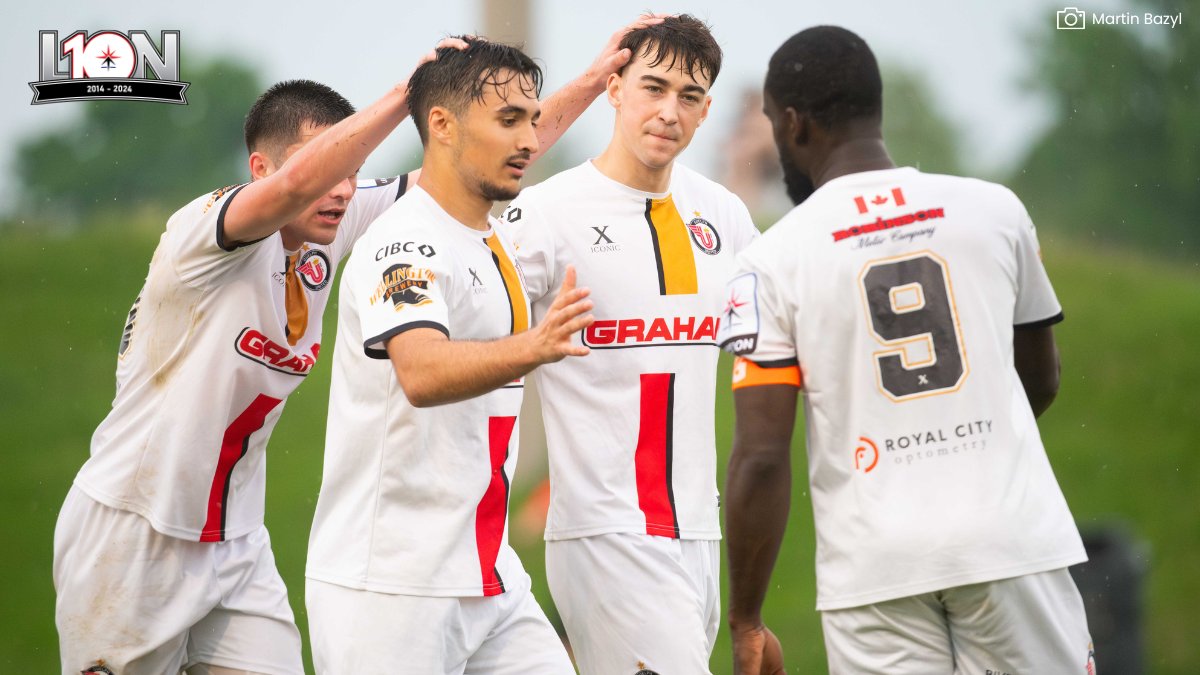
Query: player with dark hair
{"points": [[409, 564], [914, 311], [161, 559], [633, 553]]}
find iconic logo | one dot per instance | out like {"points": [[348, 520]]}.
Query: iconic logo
{"points": [[889, 223], [261, 349], [405, 247], [513, 214], [604, 243], [656, 332], [866, 455], [314, 269], [108, 65], [402, 284], [602, 238], [705, 236], [475, 280], [879, 200]]}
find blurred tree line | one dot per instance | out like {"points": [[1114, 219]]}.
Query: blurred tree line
{"points": [[125, 155], [1120, 161]]}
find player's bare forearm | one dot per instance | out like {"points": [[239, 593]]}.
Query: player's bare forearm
{"points": [[434, 370], [1035, 356], [564, 106], [758, 496], [266, 205]]}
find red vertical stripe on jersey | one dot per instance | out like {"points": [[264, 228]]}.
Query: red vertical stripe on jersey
{"points": [[652, 460], [233, 448], [861, 204], [493, 508], [898, 196]]}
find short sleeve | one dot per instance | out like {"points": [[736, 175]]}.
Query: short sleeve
{"points": [[195, 239], [534, 242], [747, 231], [371, 198], [398, 289], [756, 321], [1037, 305]]}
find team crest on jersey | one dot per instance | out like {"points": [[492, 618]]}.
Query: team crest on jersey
{"points": [[98, 668], [705, 236], [314, 269], [403, 285]]}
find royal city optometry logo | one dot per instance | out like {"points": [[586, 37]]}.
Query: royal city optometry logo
{"points": [[108, 65]]}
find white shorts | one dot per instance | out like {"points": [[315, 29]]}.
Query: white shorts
{"points": [[354, 632], [1026, 625], [136, 601], [635, 602]]}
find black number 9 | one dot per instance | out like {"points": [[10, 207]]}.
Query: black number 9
{"points": [[911, 311]]}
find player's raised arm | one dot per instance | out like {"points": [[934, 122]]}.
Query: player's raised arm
{"points": [[285, 186], [433, 369], [564, 106]]}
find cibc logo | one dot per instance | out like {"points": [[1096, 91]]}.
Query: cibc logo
{"points": [[108, 65]]}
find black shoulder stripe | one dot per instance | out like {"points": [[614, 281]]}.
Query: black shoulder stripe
{"points": [[403, 187], [221, 242], [1040, 324]]}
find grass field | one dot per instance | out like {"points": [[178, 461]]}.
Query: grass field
{"points": [[1122, 435]]}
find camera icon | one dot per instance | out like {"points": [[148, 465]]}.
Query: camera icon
{"points": [[1071, 18]]}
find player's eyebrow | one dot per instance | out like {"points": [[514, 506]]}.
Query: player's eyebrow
{"points": [[690, 88], [519, 111]]}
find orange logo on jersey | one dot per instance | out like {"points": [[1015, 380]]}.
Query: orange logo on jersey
{"points": [[866, 456], [261, 349], [402, 284], [679, 330]]}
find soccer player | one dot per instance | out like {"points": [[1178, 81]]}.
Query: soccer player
{"points": [[914, 312], [409, 565], [633, 532], [162, 561]]}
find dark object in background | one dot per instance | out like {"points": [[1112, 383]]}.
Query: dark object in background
{"points": [[1111, 584]]}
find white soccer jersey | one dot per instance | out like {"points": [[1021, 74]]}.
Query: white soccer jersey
{"points": [[898, 293], [415, 500], [204, 367], [630, 426]]}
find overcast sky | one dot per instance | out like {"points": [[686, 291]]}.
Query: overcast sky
{"points": [[973, 54]]}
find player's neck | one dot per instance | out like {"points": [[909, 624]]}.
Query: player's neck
{"points": [[624, 167], [446, 187], [853, 156], [291, 241]]}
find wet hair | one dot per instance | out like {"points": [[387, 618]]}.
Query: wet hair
{"points": [[827, 73], [280, 114], [683, 40], [460, 77]]}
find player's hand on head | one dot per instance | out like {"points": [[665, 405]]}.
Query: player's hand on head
{"points": [[445, 43], [612, 58], [568, 314], [756, 651]]}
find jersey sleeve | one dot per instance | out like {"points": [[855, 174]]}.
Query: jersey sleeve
{"points": [[756, 322], [397, 290], [1037, 305], [371, 198], [534, 242], [746, 231], [195, 239]]}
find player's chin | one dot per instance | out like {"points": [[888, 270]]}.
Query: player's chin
{"points": [[323, 227]]}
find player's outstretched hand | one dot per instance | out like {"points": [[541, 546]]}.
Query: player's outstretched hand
{"points": [[756, 651], [567, 315], [612, 59]]}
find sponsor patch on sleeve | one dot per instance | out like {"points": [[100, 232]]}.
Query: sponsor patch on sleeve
{"points": [[739, 326]]}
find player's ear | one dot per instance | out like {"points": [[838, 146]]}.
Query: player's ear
{"points": [[704, 110], [442, 125], [261, 166], [613, 89], [797, 126]]}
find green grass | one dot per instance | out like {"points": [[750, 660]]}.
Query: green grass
{"points": [[1121, 436]]}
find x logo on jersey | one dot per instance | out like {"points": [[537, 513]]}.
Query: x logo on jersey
{"points": [[475, 280], [603, 237], [922, 379]]}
